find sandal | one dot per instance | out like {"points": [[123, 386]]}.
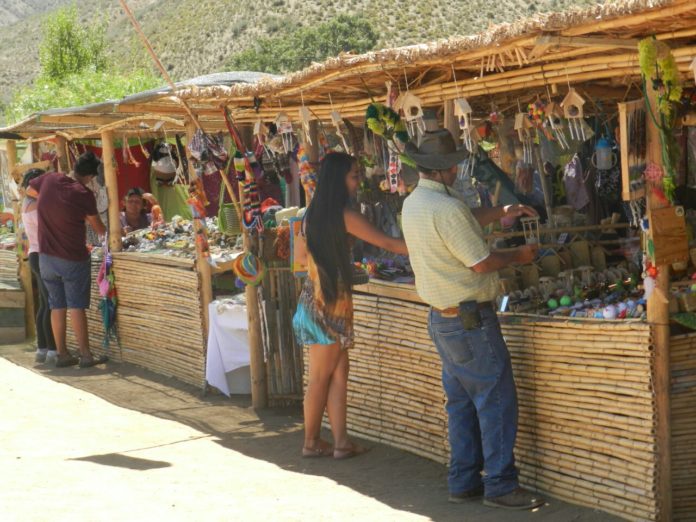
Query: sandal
{"points": [[349, 452], [64, 361], [88, 363], [322, 449]]}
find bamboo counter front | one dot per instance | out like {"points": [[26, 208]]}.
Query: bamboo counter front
{"points": [[159, 316], [586, 400]]}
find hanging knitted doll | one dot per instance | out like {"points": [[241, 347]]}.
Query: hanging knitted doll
{"points": [[252, 217], [308, 176]]}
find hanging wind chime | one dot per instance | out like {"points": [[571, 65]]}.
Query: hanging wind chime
{"points": [[573, 112]]}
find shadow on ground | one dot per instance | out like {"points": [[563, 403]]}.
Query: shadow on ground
{"points": [[397, 478]]}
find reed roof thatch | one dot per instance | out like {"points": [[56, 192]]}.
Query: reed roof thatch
{"points": [[595, 48]]}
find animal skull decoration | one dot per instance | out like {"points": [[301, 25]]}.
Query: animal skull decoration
{"points": [[412, 107]]}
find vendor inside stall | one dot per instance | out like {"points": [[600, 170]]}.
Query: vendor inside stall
{"points": [[135, 216]]}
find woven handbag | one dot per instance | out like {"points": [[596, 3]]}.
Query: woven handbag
{"points": [[228, 218]]}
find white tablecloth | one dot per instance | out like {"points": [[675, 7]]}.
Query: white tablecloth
{"points": [[228, 342]]}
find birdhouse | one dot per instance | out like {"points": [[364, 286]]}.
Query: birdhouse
{"points": [[554, 113], [522, 125], [411, 105], [260, 131], [305, 117], [572, 110], [462, 110], [572, 105]]}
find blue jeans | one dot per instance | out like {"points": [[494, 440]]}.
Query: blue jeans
{"points": [[481, 403]]}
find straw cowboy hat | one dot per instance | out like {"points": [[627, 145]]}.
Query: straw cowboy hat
{"points": [[437, 151]]}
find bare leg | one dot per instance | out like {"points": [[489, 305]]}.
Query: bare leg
{"points": [[79, 325], [337, 401], [58, 322], [323, 360]]}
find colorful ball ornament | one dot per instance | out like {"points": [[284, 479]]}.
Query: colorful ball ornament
{"points": [[552, 304], [566, 300]]}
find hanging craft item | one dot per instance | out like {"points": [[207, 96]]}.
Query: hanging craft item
{"points": [[462, 111], [523, 126], [305, 118], [284, 126], [252, 219], [573, 112], [658, 65], [143, 150], [208, 151], [249, 269], [336, 119], [554, 116], [412, 108], [308, 176], [106, 282], [386, 123], [164, 163], [261, 134], [530, 227]]}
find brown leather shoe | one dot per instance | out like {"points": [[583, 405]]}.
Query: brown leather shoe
{"points": [[466, 496], [518, 499]]}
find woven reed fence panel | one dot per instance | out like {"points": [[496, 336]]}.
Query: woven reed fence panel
{"points": [[284, 363], [8, 265], [159, 316], [683, 406], [586, 424], [394, 391], [94, 323]]}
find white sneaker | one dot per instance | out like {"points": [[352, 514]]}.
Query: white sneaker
{"points": [[40, 356], [51, 357]]}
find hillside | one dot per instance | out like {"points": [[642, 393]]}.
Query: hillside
{"points": [[195, 37]]}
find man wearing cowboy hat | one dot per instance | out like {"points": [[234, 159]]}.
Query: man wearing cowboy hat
{"points": [[456, 275]]}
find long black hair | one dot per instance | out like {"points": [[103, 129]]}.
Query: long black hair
{"points": [[327, 239]]}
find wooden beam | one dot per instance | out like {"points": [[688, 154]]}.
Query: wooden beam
{"points": [[78, 119], [111, 183], [18, 171], [62, 153], [588, 41]]}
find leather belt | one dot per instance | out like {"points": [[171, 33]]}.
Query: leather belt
{"points": [[454, 310]]}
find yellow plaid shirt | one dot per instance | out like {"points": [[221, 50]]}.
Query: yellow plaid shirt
{"points": [[444, 240]]}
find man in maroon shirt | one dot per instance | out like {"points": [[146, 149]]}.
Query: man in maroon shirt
{"points": [[64, 205]]}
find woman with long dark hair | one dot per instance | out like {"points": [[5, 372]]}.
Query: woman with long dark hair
{"points": [[324, 317]]}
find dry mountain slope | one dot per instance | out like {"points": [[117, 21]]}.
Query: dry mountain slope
{"points": [[195, 37]]}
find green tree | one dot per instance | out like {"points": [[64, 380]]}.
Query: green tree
{"points": [[69, 47], [75, 70], [294, 51]]}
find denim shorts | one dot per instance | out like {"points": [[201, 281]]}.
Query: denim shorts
{"points": [[68, 282]]}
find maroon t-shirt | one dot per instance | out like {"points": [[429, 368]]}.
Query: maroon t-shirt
{"points": [[62, 207]]}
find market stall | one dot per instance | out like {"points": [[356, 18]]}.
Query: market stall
{"points": [[604, 386]]}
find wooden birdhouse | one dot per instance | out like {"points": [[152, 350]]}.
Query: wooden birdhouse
{"points": [[260, 131], [462, 110], [554, 113], [572, 105], [572, 110], [522, 126], [284, 126], [305, 118]]}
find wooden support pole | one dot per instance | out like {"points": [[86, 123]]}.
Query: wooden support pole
{"points": [[202, 265], [658, 317], [111, 183], [313, 148], [257, 363], [62, 153], [24, 271]]}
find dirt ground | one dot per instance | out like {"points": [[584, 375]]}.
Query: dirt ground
{"points": [[122, 443]]}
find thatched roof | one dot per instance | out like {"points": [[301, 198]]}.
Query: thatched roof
{"points": [[595, 48]]}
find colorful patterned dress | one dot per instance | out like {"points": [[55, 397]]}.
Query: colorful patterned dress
{"points": [[316, 322]]}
